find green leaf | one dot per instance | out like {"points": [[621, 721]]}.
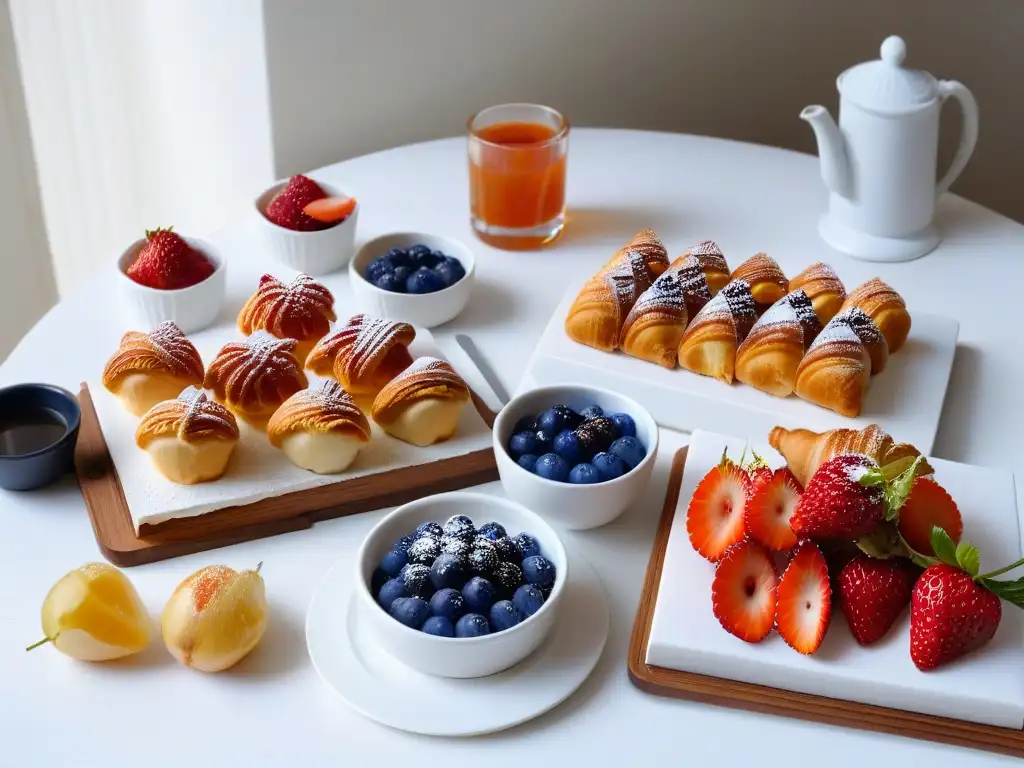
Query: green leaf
{"points": [[943, 546], [896, 468], [882, 543], [968, 558], [1010, 591], [899, 488]]}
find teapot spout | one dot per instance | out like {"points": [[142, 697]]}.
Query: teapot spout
{"points": [[835, 165]]}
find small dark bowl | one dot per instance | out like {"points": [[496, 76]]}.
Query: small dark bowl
{"points": [[40, 467]]}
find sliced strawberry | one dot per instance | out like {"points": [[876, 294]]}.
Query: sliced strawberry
{"points": [[873, 593], [769, 507], [804, 600], [714, 519], [743, 591], [330, 209], [835, 504], [928, 505]]}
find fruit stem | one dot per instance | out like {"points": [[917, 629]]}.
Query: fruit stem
{"points": [[258, 566], [1000, 570], [44, 641]]}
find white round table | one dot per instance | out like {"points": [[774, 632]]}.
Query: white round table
{"points": [[272, 709]]}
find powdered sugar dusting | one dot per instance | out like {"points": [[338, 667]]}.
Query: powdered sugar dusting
{"points": [[861, 324], [838, 331], [665, 296], [301, 309], [239, 367], [425, 364], [202, 417], [629, 279], [760, 268], [171, 345]]}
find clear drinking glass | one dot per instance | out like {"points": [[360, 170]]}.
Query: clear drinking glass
{"points": [[517, 158]]}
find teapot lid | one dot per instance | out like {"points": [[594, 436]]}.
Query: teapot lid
{"points": [[884, 85]]}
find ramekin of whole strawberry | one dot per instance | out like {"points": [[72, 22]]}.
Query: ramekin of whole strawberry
{"points": [[854, 521]]}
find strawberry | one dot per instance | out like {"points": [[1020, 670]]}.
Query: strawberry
{"points": [[769, 507], [330, 210], [873, 593], [950, 615], [167, 262], [743, 591], [928, 505], [714, 519], [286, 207], [804, 599], [835, 504]]}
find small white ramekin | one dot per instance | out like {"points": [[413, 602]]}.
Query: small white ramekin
{"points": [[424, 310], [576, 507], [192, 309], [313, 253], [459, 656]]}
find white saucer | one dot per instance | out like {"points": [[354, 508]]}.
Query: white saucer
{"points": [[375, 684]]}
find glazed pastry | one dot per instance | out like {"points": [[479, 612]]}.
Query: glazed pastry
{"points": [[649, 246], [253, 377], [422, 405], [765, 278], [872, 338], [886, 307], [190, 438], [710, 342], [364, 354], [302, 310], [769, 356], [823, 287], [149, 368], [835, 371], [712, 263], [805, 451], [320, 429], [656, 323]]}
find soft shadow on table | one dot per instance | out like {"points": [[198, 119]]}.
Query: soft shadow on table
{"points": [[282, 649], [490, 304], [154, 655], [586, 224], [959, 406]]}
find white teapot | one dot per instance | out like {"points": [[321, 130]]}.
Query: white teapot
{"points": [[879, 164]]}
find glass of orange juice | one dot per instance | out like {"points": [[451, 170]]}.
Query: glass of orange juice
{"points": [[517, 156]]}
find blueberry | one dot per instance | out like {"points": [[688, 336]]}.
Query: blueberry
{"points": [[427, 259], [507, 550], [377, 268], [609, 466], [595, 435], [491, 531], [504, 616], [378, 580], [402, 275], [453, 546], [398, 257], [526, 424], [417, 580], [460, 527], [592, 412], [551, 420], [527, 461], [388, 282], [440, 626], [447, 603], [539, 570], [450, 270], [567, 445], [507, 578], [553, 467], [483, 558], [624, 424], [478, 595], [584, 474], [418, 250], [403, 542], [527, 545], [424, 550], [424, 280], [545, 440], [629, 449], [429, 529], [393, 561], [524, 442], [472, 625], [411, 611], [528, 599], [449, 571], [391, 591]]}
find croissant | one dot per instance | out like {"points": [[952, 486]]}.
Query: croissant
{"points": [[765, 278], [364, 354], [872, 338], [320, 429], [648, 245], [302, 310], [712, 263], [770, 355], [710, 342], [190, 439], [886, 307], [823, 287], [423, 404], [655, 325], [805, 451], [835, 371], [149, 368], [253, 377]]}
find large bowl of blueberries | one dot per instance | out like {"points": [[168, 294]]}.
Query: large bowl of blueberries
{"points": [[421, 279], [461, 584], [577, 455]]}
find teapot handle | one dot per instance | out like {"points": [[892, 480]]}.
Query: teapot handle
{"points": [[968, 132]]}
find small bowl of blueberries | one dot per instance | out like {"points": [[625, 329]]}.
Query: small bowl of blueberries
{"points": [[461, 584], [418, 278], [577, 455]]}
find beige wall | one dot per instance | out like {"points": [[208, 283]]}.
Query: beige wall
{"points": [[353, 76]]}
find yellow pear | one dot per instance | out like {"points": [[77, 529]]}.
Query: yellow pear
{"points": [[94, 614], [215, 617]]}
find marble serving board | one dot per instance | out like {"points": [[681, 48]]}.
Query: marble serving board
{"points": [[258, 470], [984, 687], [906, 398]]}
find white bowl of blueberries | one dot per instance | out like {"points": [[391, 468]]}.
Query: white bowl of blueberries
{"points": [[418, 278], [461, 584], [577, 455]]}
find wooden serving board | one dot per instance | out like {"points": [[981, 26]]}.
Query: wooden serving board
{"points": [[115, 532], [776, 701]]}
